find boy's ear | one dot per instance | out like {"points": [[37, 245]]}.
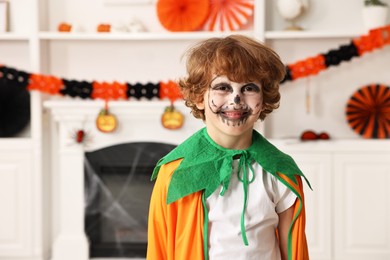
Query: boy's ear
{"points": [[200, 105]]}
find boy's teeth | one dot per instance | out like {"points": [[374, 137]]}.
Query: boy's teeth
{"points": [[233, 114]]}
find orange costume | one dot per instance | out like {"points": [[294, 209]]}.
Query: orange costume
{"points": [[178, 218]]}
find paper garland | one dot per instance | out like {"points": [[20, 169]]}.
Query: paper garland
{"points": [[376, 39], [89, 90]]}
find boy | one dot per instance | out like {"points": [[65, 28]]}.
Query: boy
{"points": [[226, 192]]}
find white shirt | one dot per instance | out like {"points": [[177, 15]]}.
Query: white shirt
{"points": [[266, 198]]}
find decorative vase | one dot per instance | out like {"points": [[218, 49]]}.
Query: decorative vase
{"points": [[374, 16], [290, 10]]}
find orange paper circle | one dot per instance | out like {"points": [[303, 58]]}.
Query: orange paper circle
{"points": [[368, 111], [182, 15]]}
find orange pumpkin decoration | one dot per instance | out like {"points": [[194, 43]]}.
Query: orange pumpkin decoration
{"points": [[182, 15], [104, 27], [172, 118], [106, 122], [64, 27]]}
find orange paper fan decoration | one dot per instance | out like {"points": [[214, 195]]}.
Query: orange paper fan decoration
{"points": [[229, 15], [182, 15], [368, 111]]}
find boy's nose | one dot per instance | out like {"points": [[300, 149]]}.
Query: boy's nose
{"points": [[237, 99]]}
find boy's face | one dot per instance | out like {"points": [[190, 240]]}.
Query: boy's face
{"points": [[230, 107]]}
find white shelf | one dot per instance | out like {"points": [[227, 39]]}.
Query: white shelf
{"points": [[280, 35], [113, 36], [9, 36], [7, 144], [333, 145]]}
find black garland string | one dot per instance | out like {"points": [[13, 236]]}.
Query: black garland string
{"points": [[15, 77], [332, 58], [73, 88], [348, 51], [344, 53], [287, 76], [137, 91]]}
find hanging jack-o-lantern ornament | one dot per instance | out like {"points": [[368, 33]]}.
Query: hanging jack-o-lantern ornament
{"points": [[106, 122], [171, 118]]}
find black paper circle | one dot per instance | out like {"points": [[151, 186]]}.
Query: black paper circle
{"points": [[14, 108], [368, 111]]}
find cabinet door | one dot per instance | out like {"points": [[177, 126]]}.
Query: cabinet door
{"points": [[317, 169], [362, 206], [15, 201]]}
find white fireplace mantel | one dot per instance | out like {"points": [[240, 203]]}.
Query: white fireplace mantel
{"points": [[138, 121]]}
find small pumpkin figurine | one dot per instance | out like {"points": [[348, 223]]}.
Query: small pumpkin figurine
{"points": [[103, 27], [172, 118], [106, 122], [64, 27]]}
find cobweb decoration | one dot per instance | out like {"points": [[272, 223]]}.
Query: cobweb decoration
{"points": [[229, 15]]}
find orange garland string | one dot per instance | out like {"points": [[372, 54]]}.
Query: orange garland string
{"points": [[309, 66], [108, 91], [170, 90], [46, 84]]}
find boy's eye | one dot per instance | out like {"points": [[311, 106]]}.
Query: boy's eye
{"points": [[222, 87], [250, 88]]}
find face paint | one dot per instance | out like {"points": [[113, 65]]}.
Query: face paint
{"points": [[234, 102], [237, 99]]}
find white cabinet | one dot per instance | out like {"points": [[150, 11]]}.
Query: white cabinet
{"points": [[362, 206], [16, 200], [348, 210]]}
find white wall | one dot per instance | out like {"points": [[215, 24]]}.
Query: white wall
{"points": [[143, 61], [329, 90]]}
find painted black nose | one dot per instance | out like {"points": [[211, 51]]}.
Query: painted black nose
{"points": [[237, 99]]}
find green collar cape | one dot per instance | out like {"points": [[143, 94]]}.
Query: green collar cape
{"points": [[206, 165]]}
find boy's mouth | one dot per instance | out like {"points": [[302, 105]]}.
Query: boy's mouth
{"points": [[234, 115]]}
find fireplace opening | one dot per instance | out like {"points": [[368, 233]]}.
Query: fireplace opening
{"points": [[117, 195]]}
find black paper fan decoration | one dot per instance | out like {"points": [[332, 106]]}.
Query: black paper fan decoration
{"points": [[368, 111], [14, 108]]}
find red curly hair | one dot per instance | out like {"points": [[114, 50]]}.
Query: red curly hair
{"points": [[238, 57]]}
